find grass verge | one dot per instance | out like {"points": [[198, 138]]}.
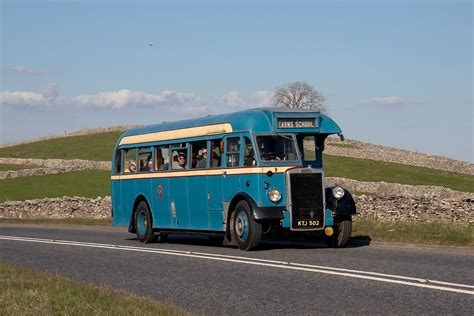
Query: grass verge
{"points": [[98, 147], [32, 292], [86, 183], [371, 170], [57, 221], [407, 232]]}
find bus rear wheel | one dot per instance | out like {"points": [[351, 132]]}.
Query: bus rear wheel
{"points": [[144, 224], [342, 232], [246, 231]]}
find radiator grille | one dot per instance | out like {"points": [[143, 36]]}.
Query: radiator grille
{"points": [[307, 201]]}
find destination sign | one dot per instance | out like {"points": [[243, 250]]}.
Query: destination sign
{"points": [[296, 123]]}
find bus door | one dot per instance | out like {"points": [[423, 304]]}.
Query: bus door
{"points": [[178, 183], [214, 185], [231, 179], [197, 186], [162, 217]]}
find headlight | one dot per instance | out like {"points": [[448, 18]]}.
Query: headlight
{"points": [[338, 192], [274, 195]]}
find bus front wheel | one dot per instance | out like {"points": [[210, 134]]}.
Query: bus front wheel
{"points": [[342, 232], [144, 224], [247, 232]]}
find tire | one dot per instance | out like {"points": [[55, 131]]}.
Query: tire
{"points": [[246, 231], [144, 224], [342, 233]]}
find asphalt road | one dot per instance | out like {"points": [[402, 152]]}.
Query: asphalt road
{"points": [[282, 277]]}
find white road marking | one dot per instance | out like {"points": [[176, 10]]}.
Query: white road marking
{"points": [[366, 275]]}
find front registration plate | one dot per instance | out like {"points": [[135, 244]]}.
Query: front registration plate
{"points": [[307, 223]]}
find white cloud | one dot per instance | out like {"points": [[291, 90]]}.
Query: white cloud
{"points": [[234, 100], [172, 101], [265, 98], [51, 91], [388, 102], [23, 70], [127, 98], [23, 99], [111, 99]]}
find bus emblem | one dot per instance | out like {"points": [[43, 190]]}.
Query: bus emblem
{"points": [[311, 214], [160, 192]]}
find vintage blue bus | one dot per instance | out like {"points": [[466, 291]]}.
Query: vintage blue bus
{"points": [[239, 175]]}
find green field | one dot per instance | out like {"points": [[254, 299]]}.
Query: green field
{"points": [[78, 183], [31, 292], [98, 147]]}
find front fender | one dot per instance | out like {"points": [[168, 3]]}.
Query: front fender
{"points": [[342, 207], [260, 212]]}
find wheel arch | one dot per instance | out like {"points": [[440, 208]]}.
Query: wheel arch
{"points": [[138, 199], [235, 200]]}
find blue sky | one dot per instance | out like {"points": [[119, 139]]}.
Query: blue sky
{"points": [[396, 73]]}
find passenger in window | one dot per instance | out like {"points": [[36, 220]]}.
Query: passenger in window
{"points": [[202, 158], [159, 160], [165, 164], [131, 166], [147, 164], [217, 147], [180, 162]]}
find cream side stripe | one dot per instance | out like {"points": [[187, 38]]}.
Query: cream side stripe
{"points": [[208, 172], [178, 133]]}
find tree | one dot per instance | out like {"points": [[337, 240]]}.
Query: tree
{"points": [[300, 95]]}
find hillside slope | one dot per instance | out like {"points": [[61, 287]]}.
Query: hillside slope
{"points": [[358, 149]]}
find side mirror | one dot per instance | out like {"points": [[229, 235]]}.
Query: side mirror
{"points": [[341, 137]]}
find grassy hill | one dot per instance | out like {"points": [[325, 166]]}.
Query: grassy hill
{"points": [[97, 147]]}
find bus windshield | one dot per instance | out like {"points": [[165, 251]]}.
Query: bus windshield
{"points": [[277, 148]]}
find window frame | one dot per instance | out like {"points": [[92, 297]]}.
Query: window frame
{"points": [[239, 152], [295, 144]]}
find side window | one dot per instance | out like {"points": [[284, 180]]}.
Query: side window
{"points": [[145, 161], [162, 158], [130, 165], [179, 157], [118, 161], [215, 156], [249, 154], [309, 148], [233, 151], [198, 154]]}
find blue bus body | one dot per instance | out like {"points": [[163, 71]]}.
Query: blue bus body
{"points": [[242, 191]]}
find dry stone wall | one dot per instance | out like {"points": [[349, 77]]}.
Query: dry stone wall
{"points": [[50, 166], [416, 209], [385, 189], [65, 207], [388, 208]]}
